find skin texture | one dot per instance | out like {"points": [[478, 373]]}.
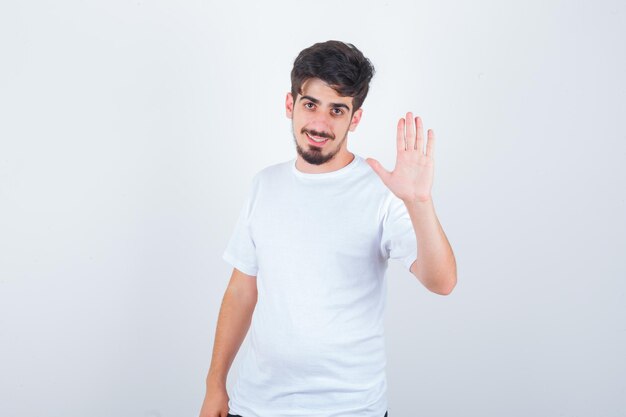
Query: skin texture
{"points": [[324, 118], [412, 180], [233, 322]]}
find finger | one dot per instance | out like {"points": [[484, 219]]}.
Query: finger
{"points": [[430, 145], [419, 141], [379, 169], [410, 132], [400, 142]]}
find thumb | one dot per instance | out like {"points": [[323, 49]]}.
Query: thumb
{"points": [[378, 168]]}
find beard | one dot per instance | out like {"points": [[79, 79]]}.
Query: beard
{"points": [[314, 155]]}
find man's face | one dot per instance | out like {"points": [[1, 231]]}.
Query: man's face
{"points": [[321, 120]]}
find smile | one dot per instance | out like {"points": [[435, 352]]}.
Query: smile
{"points": [[316, 140]]}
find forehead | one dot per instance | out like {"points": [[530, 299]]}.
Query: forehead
{"points": [[314, 87]]}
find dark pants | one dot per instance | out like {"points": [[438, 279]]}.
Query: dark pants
{"points": [[236, 415]]}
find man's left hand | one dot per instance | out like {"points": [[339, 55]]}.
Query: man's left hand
{"points": [[412, 178]]}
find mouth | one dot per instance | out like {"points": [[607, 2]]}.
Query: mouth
{"points": [[316, 140]]}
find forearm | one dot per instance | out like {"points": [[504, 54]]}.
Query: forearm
{"points": [[233, 323], [435, 265]]}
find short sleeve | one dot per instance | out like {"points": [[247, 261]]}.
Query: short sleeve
{"points": [[398, 237], [240, 251]]}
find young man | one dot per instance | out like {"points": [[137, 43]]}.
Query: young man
{"points": [[310, 250]]}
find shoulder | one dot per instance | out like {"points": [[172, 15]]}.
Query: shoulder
{"points": [[270, 174], [277, 169]]}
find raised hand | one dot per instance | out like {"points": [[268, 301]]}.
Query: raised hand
{"points": [[412, 178]]}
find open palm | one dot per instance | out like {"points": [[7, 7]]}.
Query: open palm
{"points": [[412, 178]]}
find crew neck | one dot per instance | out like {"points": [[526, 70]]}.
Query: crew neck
{"points": [[325, 175]]}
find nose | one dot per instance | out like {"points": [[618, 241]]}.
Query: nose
{"points": [[321, 123]]}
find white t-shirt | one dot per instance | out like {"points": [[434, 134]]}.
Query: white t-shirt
{"points": [[318, 245]]}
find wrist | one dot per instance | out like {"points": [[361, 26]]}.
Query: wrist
{"points": [[216, 380], [424, 200]]}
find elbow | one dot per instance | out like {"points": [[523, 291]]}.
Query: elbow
{"points": [[447, 280], [440, 282], [444, 290], [445, 286]]}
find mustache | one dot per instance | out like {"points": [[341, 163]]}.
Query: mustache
{"points": [[318, 134]]}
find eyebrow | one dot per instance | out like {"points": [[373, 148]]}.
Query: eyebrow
{"points": [[316, 101]]}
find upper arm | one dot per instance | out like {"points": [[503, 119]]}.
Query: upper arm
{"points": [[243, 284]]}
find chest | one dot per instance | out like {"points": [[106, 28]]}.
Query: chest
{"points": [[316, 222]]}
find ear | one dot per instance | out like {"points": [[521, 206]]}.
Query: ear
{"points": [[289, 105], [356, 118]]}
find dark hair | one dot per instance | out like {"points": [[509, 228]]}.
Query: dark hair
{"points": [[340, 65]]}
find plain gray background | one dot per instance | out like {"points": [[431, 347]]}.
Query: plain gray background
{"points": [[130, 130]]}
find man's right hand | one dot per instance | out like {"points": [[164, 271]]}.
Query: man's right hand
{"points": [[215, 402]]}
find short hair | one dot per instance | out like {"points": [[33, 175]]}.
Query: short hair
{"points": [[339, 64]]}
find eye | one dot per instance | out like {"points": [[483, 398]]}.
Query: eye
{"points": [[337, 111], [307, 105]]}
